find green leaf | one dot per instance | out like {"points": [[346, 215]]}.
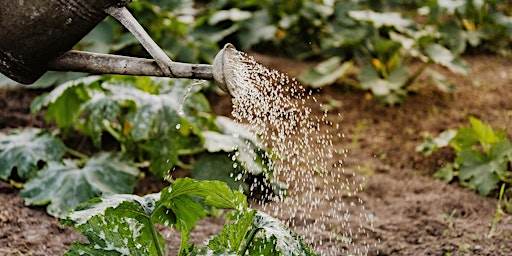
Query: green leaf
{"points": [[256, 233], [484, 133], [116, 225], [235, 235], [233, 14], [483, 171], [64, 186], [440, 55], [64, 101], [179, 198], [390, 90], [167, 125], [389, 19], [120, 224], [98, 109], [258, 28], [325, 73], [238, 138], [218, 166], [446, 174], [431, 144], [478, 133], [441, 82], [22, 150]]}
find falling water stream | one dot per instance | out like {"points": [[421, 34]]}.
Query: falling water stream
{"points": [[321, 194]]}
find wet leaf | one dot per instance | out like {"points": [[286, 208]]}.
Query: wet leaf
{"points": [[256, 233], [218, 166], [64, 186], [22, 150], [179, 198], [116, 225], [122, 224]]}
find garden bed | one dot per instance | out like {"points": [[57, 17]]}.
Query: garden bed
{"points": [[412, 212]]}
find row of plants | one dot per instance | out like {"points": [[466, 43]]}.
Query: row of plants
{"points": [[375, 40], [130, 127], [152, 123]]}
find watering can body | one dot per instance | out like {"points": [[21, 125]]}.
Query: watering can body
{"points": [[35, 32]]}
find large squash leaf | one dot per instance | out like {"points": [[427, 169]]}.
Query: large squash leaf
{"points": [[124, 224], [64, 186], [256, 233], [116, 225], [22, 150], [166, 125], [64, 101]]}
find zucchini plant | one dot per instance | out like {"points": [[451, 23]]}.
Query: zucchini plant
{"points": [[120, 224], [483, 157], [151, 123]]}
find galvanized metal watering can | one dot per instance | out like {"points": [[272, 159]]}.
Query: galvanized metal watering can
{"points": [[37, 36]]}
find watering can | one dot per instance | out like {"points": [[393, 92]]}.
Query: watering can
{"points": [[37, 36]]}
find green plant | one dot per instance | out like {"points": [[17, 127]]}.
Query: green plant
{"points": [[475, 24], [499, 211], [125, 224], [483, 158], [392, 42], [154, 123]]}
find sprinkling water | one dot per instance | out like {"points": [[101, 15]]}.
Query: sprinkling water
{"points": [[276, 108]]}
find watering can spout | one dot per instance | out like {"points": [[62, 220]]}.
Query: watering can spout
{"points": [[37, 36]]}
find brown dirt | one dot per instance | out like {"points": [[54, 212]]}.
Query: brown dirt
{"points": [[413, 213]]}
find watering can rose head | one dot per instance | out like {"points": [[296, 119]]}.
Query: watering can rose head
{"points": [[225, 69]]}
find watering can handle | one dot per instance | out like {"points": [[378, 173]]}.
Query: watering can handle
{"points": [[161, 65], [126, 18], [98, 63]]}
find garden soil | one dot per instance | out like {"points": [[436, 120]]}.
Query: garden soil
{"points": [[410, 212]]}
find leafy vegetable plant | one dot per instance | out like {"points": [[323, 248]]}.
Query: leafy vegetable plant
{"points": [[121, 224], [483, 157], [160, 121], [391, 44], [158, 124], [471, 24]]}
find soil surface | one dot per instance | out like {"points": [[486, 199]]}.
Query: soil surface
{"points": [[411, 212]]}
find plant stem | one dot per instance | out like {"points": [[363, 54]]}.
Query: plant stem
{"points": [[154, 235], [75, 153], [498, 212], [185, 236], [245, 246], [415, 74], [184, 165]]}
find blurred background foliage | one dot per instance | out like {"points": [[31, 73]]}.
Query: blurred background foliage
{"points": [[378, 38]]}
